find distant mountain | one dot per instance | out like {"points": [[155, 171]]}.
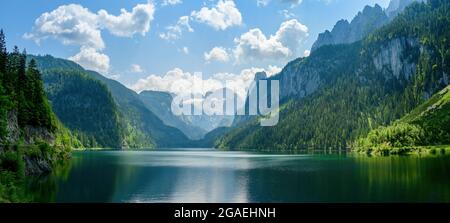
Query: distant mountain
{"points": [[367, 21], [140, 117], [397, 6], [344, 32], [160, 104], [209, 122], [244, 118], [139, 127], [341, 92]]}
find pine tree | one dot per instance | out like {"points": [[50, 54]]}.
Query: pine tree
{"points": [[3, 54], [3, 113], [22, 89]]}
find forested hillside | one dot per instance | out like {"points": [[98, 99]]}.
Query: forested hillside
{"points": [[126, 122], [341, 92], [427, 125], [32, 140]]}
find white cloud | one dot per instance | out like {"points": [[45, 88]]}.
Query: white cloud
{"points": [[174, 32], [74, 24], [128, 23], [262, 2], [91, 59], [178, 81], [135, 68], [292, 3], [171, 2], [217, 54], [221, 16], [287, 14], [70, 24], [254, 45], [185, 50]]}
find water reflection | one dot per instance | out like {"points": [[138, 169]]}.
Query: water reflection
{"points": [[214, 176]]}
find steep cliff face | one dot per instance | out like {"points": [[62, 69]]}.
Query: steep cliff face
{"points": [[304, 76], [341, 92], [392, 57], [344, 32]]}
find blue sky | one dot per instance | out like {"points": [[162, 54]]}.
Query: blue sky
{"points": [[151, 40]]}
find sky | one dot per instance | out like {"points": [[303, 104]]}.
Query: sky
{"points": [[147, 45]]}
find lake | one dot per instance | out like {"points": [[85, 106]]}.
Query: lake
{"points": [[217, 176]]}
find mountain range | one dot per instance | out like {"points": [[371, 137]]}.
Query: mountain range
{"points": [[102, 107], [364, 23], [361, 75], [342, 91]]}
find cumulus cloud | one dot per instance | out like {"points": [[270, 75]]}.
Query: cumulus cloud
{"points": [[217, 54], [91, 59], [293, 3], [284, 44], [175, 31], [171, 2], [180, 82], [74, 24], [135, 68], [70, 24], [177, 81], [221, 16], [128, 23]]}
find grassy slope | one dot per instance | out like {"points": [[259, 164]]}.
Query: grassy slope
{"points": [[425, 128]]}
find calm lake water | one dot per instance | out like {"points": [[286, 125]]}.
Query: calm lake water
{"points": [[215, 176]]}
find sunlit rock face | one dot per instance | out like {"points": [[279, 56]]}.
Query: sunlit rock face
{"points": [[391, 60]]}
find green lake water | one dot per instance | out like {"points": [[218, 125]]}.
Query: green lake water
{"points": [[217, 176]]}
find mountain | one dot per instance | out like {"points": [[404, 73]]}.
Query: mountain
{"points": [[427, 125], [344, 32], [85, 106], [32, 139], [137, 125], [160, 104], [397, 6], [210, 122], [238, 119], [140, 117], [341, 92], [367, 21]]}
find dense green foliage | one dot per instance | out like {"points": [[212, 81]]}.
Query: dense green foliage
{"points": [[427, 125], [122, 121], [141, 121], [85, 106], [29, 130], [356, 95]]}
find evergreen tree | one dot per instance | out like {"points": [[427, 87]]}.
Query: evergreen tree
{"points": [[3, 55], [22, 88], [4, 102], [39, 109]]}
